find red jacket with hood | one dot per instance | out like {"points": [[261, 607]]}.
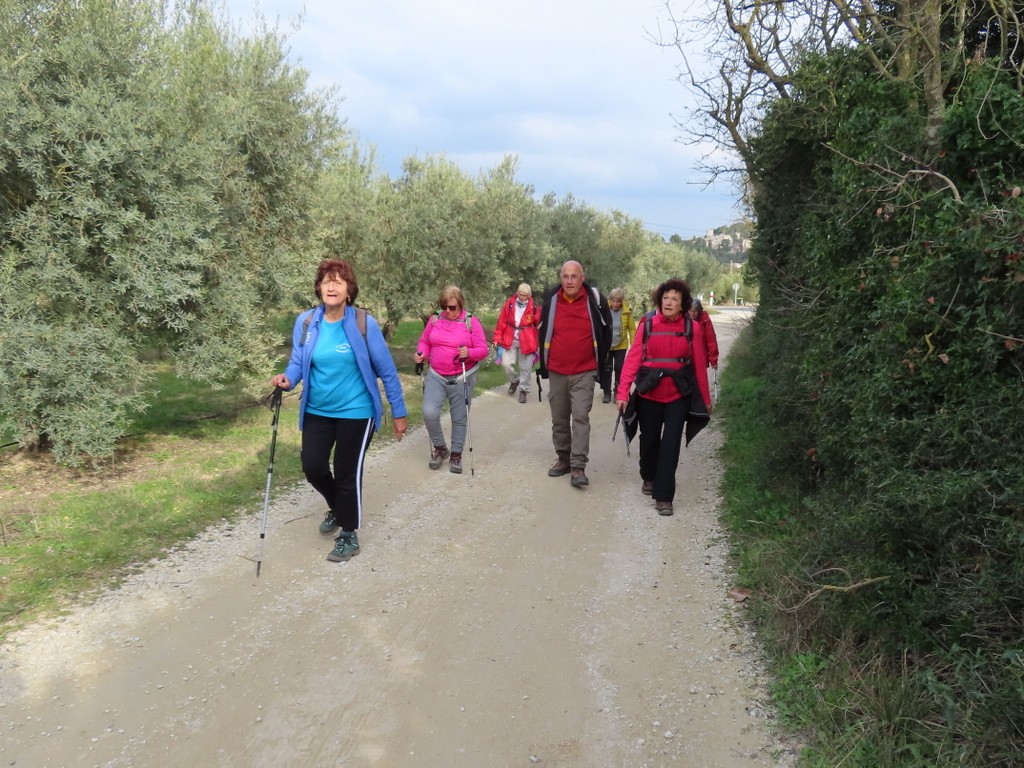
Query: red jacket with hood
{"points": [[505, 330]]}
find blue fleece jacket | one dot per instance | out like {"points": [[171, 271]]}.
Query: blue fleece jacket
{"points": [[373, 358]]}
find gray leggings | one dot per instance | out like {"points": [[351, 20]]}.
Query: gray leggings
{"points": [[437, 390]]}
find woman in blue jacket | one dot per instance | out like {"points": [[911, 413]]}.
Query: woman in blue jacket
{"points": [[339, 352]]}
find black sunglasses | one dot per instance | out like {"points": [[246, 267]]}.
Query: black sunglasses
{"points": [[450, 307]]}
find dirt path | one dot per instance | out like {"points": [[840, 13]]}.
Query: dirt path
{"points": [[500, 618]]}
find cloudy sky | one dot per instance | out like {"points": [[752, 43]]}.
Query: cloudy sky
{"points": [[575, 89]]}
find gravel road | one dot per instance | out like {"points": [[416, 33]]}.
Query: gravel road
{"points": [[497, 618]]}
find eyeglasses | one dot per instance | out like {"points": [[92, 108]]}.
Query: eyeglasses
{"points": [[450, 307]]}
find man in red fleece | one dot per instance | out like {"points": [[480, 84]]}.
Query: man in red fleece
{"points": [[575, 333]]}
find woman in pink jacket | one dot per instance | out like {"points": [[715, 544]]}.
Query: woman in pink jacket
{"points": [[452, 345]]}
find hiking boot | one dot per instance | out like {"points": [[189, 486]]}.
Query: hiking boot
{"points": [[437, 456], [346, 546], [579, 478], [559, 468], [513, 387], [522, 395], [328, 524], [455, 463], [647, 488], [607, 397], [663, 507]]}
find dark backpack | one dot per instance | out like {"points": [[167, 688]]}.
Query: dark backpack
{"points": [[468, 320], [360, 324], [647, 377], [648, 331]]}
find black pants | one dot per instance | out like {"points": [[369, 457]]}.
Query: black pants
{"points": [[618, 358], [661, 438], [343, 490]]}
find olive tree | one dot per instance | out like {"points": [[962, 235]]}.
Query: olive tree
{"points": [[510, 225], [152, 170]]}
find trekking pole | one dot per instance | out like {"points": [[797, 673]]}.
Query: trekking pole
{"points": [[619, 420], [275, 402], [716, 385], [539, 389], [469, 427]]}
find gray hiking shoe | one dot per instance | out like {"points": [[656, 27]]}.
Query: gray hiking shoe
{"points": [[455, 463], [437, 456], [346, 546], [559, 468], [579, 478], [328, 524]]}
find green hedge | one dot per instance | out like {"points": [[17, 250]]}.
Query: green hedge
{"points": [[889, 343]]}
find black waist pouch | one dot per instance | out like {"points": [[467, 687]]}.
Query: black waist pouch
{"points": [[647, 378], [685, 381]]}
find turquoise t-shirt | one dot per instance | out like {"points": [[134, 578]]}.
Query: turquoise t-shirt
{"points": [[336, 387]]}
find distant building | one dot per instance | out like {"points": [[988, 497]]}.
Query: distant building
{"points": [[734, 243]]}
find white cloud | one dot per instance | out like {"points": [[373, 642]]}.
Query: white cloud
{"points": [[574, 88]]}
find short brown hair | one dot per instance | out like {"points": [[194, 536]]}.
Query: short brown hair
{"points": [[342, 269], [449, 293]]}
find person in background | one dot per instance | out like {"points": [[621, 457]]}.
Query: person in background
{"points": [[452, 345], [698, 313], [517, 340], [667, 362], [338, 353], [575, 337], [623, 333]]}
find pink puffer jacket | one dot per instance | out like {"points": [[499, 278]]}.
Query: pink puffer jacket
{"points": [[442, 338]]}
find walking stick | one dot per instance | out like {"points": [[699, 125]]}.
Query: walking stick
{"points": [[716, 385], [469, 426], [275, 402], [539, 389], [619, 420]]}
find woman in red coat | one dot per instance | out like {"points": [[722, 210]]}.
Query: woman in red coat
{"points": [[667, 362], [517, 340], [698, 313]]}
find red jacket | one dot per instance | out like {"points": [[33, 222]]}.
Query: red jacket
{"points": [[710, 339], [662, 346], [505, 330]]}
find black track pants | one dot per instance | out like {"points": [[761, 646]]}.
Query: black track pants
{"points": [[661, 436], [342, 490]]}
